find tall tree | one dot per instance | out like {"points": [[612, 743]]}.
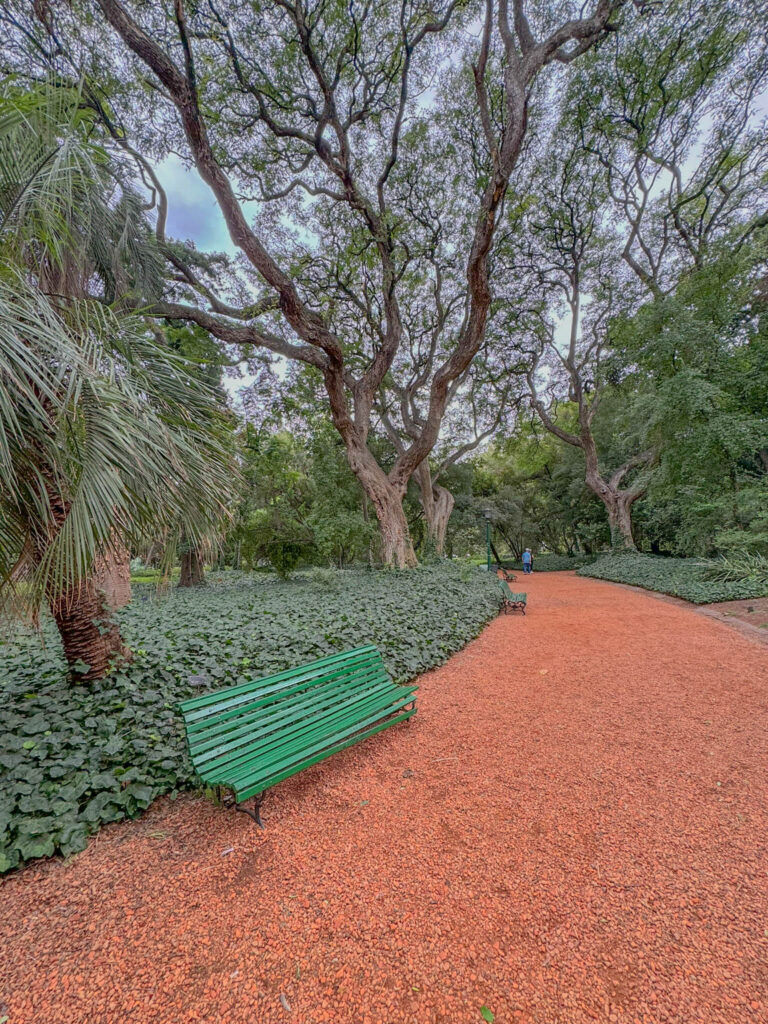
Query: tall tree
{"points": [[664, 132], [304, 108], [705, 349], [574, 263]]}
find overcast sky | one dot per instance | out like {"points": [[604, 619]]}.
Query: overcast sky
{"points": [[194, 214], [192, 211]]}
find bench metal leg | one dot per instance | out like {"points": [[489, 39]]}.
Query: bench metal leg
{"points": [[254, 813]]}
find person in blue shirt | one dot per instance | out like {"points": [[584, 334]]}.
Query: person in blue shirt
{"points": [[527, 561]]}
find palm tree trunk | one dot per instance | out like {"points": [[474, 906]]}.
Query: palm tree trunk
{"points": [[112, 574], [82, 611], [90, 637]]}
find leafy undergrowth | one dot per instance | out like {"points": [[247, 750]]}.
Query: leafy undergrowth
{"points": [[554, 563], [73, 758], [742, 567], [680, 577]]}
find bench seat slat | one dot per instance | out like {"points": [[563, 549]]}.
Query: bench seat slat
{"points": [[510, 598], [252, 788]]}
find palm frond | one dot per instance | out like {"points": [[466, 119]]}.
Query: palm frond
{"points": [[102, 428]]}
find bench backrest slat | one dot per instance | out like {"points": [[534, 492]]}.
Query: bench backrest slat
{"points": [[189, 707], [216, 729], [223, 704], [292, 713]]}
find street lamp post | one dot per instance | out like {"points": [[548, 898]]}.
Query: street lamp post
{"points": [[487, 513]]}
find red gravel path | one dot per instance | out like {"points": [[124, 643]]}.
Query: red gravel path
{"points": [[572, 829]]}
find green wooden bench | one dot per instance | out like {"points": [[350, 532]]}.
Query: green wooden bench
{"points": [[250, 737], [512, 602]]}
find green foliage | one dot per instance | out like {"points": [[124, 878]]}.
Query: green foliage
{"points": [[301, 503], [102, 428], [340, 531], [74, 758], [680, 577], [742, 567], [324, 578], [534, 486], [701, 356]]}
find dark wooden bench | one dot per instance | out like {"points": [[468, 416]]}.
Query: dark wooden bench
{"points": [[249, 737], [512, 602], [508, 575]]}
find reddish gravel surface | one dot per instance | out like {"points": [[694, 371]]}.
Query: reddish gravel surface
{"points": [[572, 829]]}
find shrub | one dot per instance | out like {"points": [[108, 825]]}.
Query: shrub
{"points": [[324, 578], [742, 567], [680, 577], [72, 758]]}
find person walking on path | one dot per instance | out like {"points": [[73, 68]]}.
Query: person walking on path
{"points": [[527, 561]]}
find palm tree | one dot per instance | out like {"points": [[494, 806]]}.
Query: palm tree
{"points": [[104, 435]]}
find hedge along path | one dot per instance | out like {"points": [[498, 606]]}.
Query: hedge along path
{"points": [[571, 829]]}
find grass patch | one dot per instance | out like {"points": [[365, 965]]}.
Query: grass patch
{"points": [[73, 758], [687, 578], [154, 576]]}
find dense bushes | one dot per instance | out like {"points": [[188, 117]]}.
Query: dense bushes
{"points": [[72, 758], [680, 577]]}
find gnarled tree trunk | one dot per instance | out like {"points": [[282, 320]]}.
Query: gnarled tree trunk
{"points": [[618, 502], [396, 545], [437, 502], [387, 500], [620, 520]]}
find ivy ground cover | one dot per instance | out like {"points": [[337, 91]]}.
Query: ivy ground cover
{"points": [[679, 577], [73, 758]]}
